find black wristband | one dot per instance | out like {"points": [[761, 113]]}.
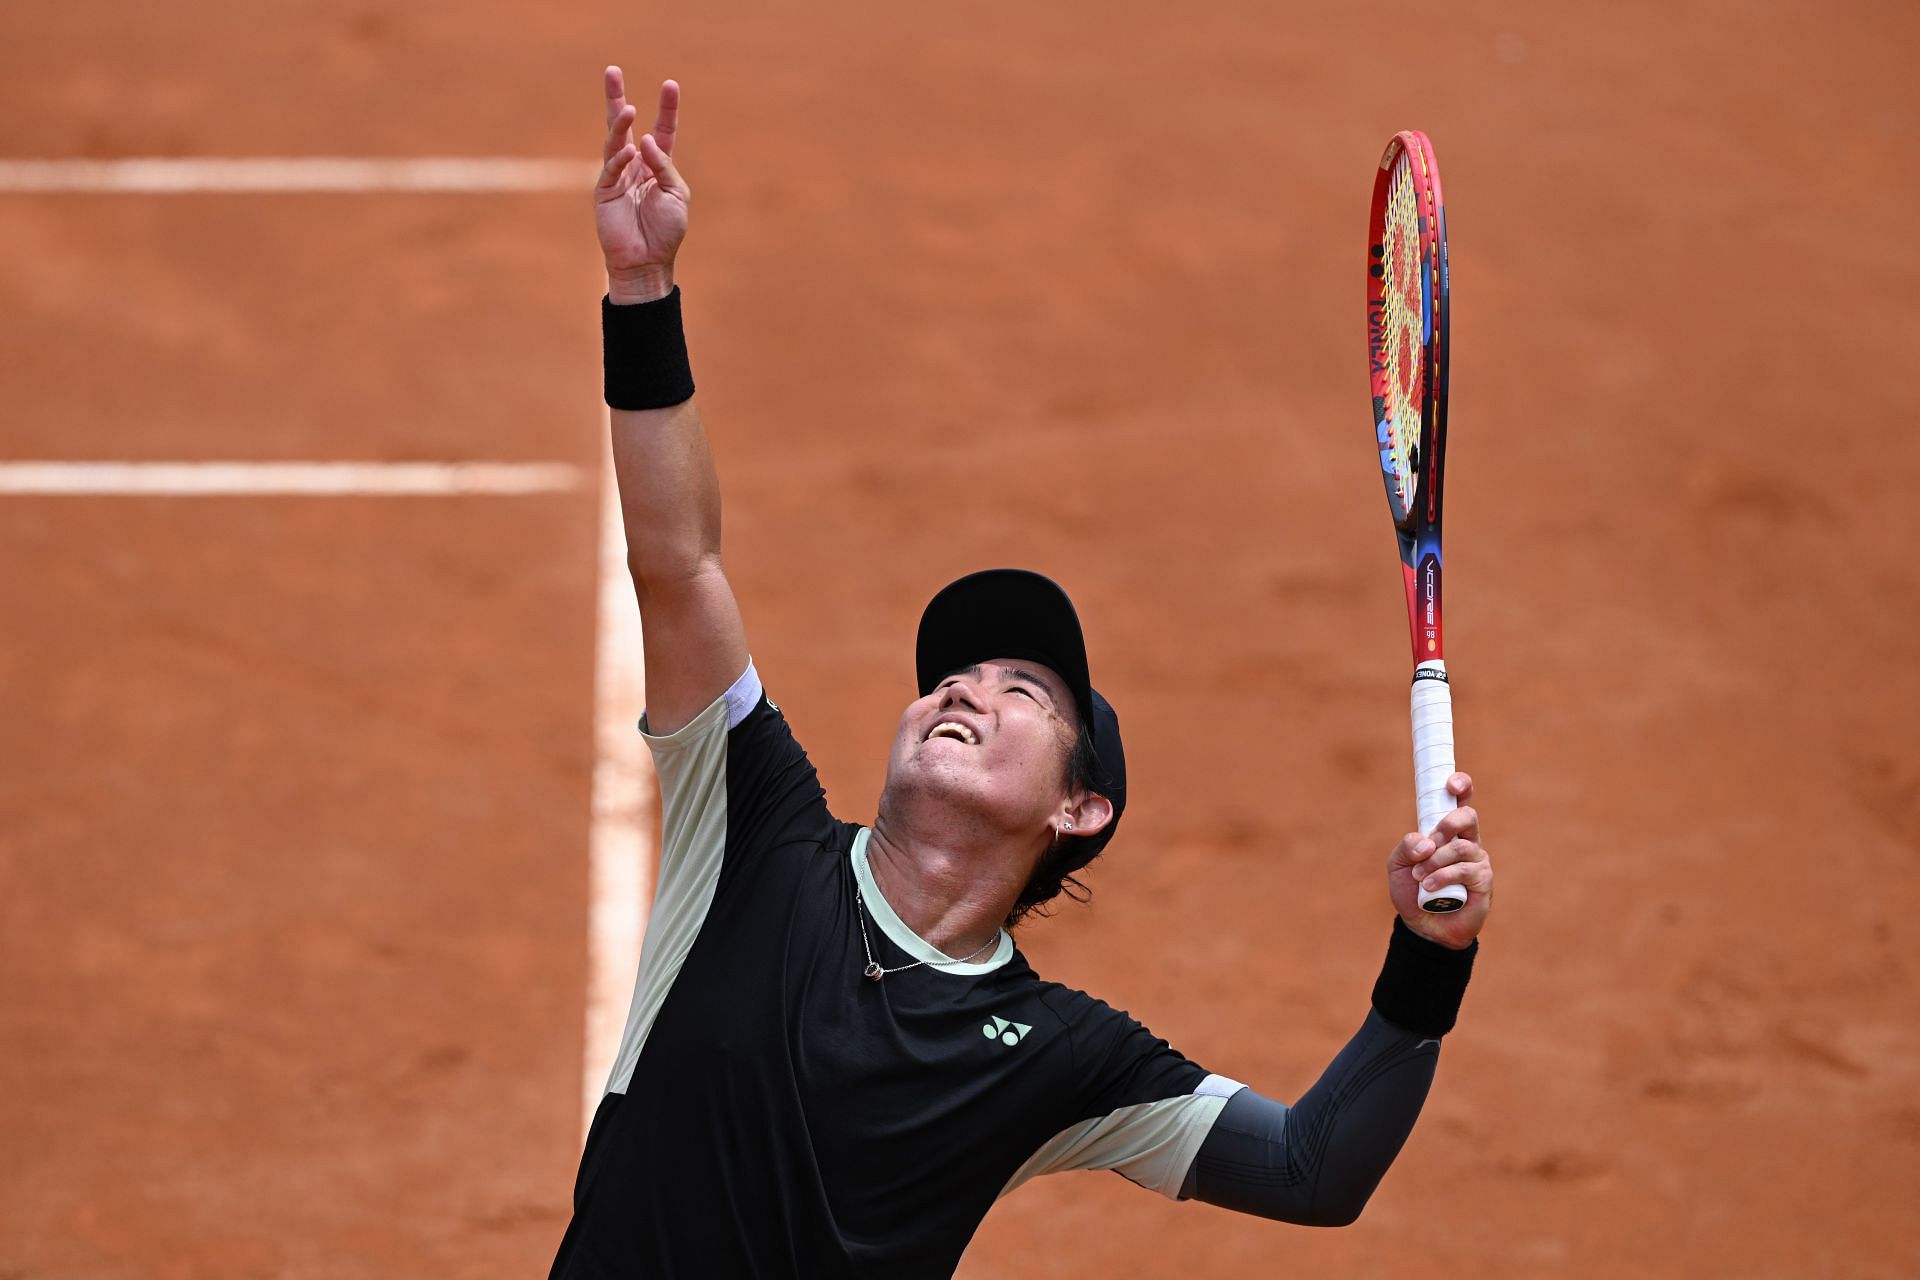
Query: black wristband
{"points": [[1421, 983], [644, 349]]}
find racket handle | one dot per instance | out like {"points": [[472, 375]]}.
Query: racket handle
{"points": [[1433, 765]]}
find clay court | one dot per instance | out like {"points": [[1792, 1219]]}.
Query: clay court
{"points": [[297, 791]]}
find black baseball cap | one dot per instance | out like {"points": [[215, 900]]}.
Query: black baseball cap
{"points": [[1016, 613]]}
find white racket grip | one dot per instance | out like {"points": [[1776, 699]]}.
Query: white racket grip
{"points": [[1433, 765]]}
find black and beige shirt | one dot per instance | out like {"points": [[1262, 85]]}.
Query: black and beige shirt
{"points": [[773, 1113]]}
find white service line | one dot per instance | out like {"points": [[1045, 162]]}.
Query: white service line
{"points": [[287, 479], [283, 175], [620, 842]]}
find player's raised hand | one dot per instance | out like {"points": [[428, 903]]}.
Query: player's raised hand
{"points": [[640, 202], [1449, 854]]}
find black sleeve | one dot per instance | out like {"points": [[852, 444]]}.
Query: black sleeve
{"points": [[1318, 1162], [734, 787], [1121, 1064], [773, 793]]}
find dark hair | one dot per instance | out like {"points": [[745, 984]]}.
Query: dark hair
{"points": [[1051, 876]]}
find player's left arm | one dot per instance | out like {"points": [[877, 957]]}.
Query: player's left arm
{"points": [[1317, 1162]]}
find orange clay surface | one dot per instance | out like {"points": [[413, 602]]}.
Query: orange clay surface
{"points": [[294, 792]]}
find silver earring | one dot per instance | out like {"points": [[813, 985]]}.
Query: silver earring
{"points": [[1067, 825]]}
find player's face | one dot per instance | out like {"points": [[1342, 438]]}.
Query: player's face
{"points": [[992, 738]]}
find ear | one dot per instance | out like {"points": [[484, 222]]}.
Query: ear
{"points": [[1090, 813]]}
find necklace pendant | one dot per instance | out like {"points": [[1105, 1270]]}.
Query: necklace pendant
{"points": [[874, 971]]}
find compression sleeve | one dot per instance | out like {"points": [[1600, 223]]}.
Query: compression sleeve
{"points": [[1317, 1162]]}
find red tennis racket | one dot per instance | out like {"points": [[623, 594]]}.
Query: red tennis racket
{"points": [[1407, 341]]}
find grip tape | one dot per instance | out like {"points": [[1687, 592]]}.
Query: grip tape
{"points": [[1433, 764]]}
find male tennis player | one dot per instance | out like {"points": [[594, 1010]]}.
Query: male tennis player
{"points": [[836, 1058]]}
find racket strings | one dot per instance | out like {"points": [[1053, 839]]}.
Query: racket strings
{"points": [[1404, 331]]}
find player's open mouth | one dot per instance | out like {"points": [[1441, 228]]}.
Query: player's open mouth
{"points": [[952, 729]]}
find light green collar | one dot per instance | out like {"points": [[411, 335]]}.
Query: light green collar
{"points": [[906, 939]]}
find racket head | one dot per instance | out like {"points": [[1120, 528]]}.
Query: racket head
{"points": [[1407, 344]]}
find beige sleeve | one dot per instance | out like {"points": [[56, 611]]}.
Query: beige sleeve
{"points": [[1152, 1144], [692, 767]]}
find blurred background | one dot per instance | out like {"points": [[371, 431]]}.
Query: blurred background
{"points": [[295, 789]]}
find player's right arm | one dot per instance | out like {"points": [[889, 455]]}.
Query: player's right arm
{"points": [[694, 641]]}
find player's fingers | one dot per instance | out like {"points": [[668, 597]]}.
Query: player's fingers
{"points": [[662, 167], [1413, 847], [1451, 853], [619, 133], [632, 176], [1462, 788], [1475, 877], [1455, 824], [613, 170], [667, 124], [614, 81]]}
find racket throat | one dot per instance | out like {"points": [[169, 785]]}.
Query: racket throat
{"points": [[1423, 606]]}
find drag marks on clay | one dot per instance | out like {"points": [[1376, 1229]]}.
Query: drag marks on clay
{"points": [[1560, 1167], [1820, 1051], [1901, 1124], [1888, 788], [1752, 1033], [1771, 498], [1307, 586], [518, 1217]]}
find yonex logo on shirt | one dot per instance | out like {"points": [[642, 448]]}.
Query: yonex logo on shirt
{"points": [[1007, 1033]]}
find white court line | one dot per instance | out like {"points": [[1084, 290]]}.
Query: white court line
{"points": [[620, 841], [287, 479], [277, 175]]}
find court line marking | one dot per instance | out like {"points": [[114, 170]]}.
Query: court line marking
{"points": [[620, 850], [287, 479], [292, 175], [620, 846]]}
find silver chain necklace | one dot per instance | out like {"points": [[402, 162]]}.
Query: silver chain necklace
{"points": [[873, 969]]}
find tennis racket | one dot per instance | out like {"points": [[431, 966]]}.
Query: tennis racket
{"points": [[1407, 341]]}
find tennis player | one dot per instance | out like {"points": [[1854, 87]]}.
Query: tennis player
{"points": [[837, 1058]]}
